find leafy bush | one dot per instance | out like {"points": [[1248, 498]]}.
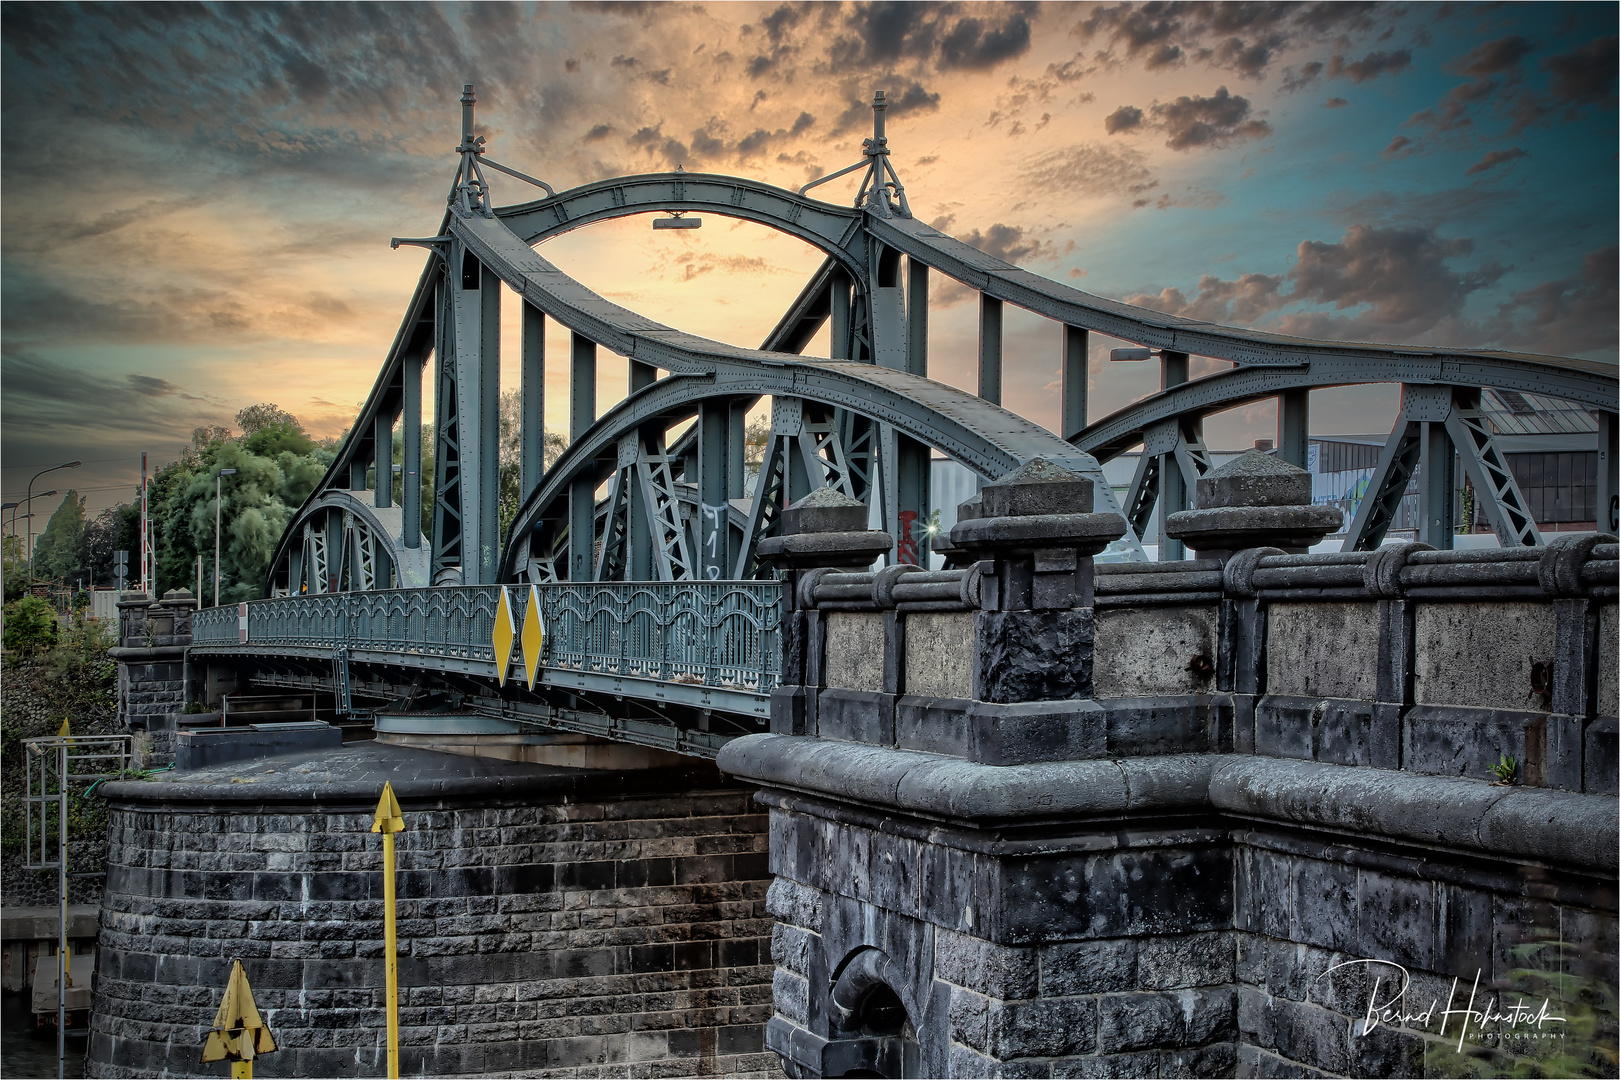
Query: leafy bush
{"points": [[30, 625]]}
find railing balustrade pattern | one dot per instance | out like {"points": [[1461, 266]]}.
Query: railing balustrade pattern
{"points": [[721, 634]]}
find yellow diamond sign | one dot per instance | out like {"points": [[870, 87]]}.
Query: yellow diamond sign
{"points": [[534, 636], [504, 635]]}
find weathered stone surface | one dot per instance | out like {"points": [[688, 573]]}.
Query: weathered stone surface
{"points": [[1227, 528], [1608, 678], [1152, 1020], [1481, 654], [1299, 636], [825, 510], [1255, 479], [1033, 655], [549, 936], [854, 656], [939, 654], [1037, 487], [1155, 650]]}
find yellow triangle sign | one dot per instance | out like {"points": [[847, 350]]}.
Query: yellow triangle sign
{"points": [[239, 1033], [389, 818], [534, 636], [504, 635]]}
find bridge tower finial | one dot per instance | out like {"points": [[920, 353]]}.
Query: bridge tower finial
{"points": [[471, 190], [882, 185]]}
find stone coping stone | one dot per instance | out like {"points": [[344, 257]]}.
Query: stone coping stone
{"points": [[40, 923], [1504, 822], [1255, 479], [350, 778]]}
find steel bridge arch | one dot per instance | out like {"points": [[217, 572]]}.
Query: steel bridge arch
{"points": [[939, 415], [1586, 382], [338, 535], [837, 231]]}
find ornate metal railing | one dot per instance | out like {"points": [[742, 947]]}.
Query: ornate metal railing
{"points": [[722, 634]]}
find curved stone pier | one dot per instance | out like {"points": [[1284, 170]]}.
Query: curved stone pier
{"points": [[553, 921]]}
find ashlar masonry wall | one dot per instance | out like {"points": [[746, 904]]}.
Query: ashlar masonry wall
{"points": [[554, 923]]}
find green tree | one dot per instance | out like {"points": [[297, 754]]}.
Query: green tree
{"points": [[117, 528], [60, 551], [31, 625], [277, 466]]}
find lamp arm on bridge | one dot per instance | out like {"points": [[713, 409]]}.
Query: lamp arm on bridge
{"points": [[432, 243], [834, 176], [550, 194]]}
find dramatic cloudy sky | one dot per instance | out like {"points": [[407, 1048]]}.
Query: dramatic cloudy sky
{"points": [[197, 200]]}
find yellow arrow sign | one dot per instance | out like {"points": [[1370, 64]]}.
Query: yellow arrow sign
{"points": [[504, 634], [389, 819], [239, 1033], [534, 636]]}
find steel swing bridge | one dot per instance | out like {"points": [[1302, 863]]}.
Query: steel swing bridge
{"points": [[660, 623]]}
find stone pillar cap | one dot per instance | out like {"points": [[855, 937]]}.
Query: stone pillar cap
{"points": [[825, 528], [1255, 500], [1038, 505], [1255, 478]]}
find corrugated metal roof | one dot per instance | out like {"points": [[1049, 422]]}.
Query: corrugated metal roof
{"points": [[1515, 413]]}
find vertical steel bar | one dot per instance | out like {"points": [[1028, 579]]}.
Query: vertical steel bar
{"points": [[1173, 371], [382, 459], [532, 386], [484, 562], [1437, 486], [916, 317], [62, 912], [990, 348], [1608, 479], [410, 471], [1076, 377], [1294, 427], [838, 327]]}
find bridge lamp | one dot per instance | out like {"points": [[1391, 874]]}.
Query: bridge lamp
{"points": [[677, 220], [218, 477], [1130, 354]]}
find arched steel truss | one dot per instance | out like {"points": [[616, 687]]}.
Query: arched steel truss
{"points": [[864, 420]]}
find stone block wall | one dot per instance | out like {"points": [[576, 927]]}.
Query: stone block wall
{"points": [[623, 936], [1184, 819]]}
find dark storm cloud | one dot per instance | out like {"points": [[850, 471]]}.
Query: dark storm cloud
{"points": [[1088, 170], [1305, 76], [1193, 121], [1495, 158], [1370, 66], [1123, 118], [973, 37], [1006, 242], [1240, 37], [912, 97], [1242, 301], [1400, 276], [1494, 57], [1585, 75], [1570, 315], [42, 395], [1576, 79], [1400, 272]]}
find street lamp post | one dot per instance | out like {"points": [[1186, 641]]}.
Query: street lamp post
{"points": [[28, 550], [217, 480]]}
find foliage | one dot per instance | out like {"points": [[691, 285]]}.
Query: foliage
{"points": [[59, 552], [15, 567], [30, 625], [1506, 770], [277, 466], [512, 495], [75, 681], [1577, 985], [117, 528]]}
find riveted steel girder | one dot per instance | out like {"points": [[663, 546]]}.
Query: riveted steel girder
{"points": [[834, 229]]}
